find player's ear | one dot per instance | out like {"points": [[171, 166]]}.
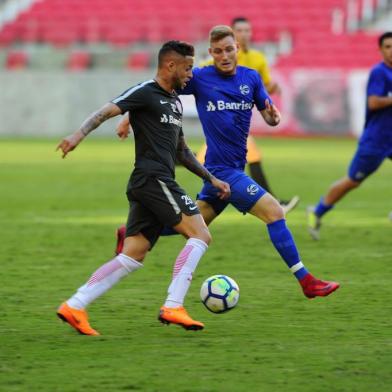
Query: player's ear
{"points": [[210, 51], [171, 65]]}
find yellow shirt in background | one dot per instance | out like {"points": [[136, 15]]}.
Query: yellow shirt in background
{"points": [[251, 59]]}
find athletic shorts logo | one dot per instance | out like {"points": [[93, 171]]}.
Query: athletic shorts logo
{"points": [[189, 202], [252, 189], [244, 88], [359, 175]]}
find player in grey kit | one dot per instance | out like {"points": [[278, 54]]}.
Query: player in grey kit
{"points": [[155, 198]]}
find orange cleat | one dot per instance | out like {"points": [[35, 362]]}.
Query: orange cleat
{"points": [[77, 319], [178, 316]]}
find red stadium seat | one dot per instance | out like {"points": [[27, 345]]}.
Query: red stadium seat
{"points": [[139, 60], [16, 60], [79, 61]]}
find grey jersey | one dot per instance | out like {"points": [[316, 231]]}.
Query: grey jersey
{"points": [[156, 119]]}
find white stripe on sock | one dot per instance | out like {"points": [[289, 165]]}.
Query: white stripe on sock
{"points": [[296, 267]]}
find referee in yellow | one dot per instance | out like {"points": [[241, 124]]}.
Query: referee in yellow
{"points": [[256, 60]]}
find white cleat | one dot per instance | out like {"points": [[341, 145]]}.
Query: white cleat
{"points": [[314, 223], [288, 205]]}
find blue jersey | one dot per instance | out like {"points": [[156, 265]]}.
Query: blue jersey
{"points": [[378, 124], [224, 104]]}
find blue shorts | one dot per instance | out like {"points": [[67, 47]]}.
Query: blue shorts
{"points": [[244, 191], [366, 161]]}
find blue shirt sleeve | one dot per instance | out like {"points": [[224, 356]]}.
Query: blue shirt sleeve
{"points": [[259, 94], [376, 83]]}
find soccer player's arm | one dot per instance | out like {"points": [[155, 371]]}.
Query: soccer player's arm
{"points": [[188, 159], [123, 127], [264, 104], [92, 122], [375, 91]]}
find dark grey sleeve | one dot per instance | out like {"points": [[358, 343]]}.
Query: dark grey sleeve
{"points": [[134, 98]]}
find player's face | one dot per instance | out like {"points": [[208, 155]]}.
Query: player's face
{"points": [[224, 53], [243, 33], [182, 72], [386, 51]]}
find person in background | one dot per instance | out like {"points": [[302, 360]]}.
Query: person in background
{"points": [[375, 144]]}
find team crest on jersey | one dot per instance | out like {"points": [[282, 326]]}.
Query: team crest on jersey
{"points": [[179, 107], [252, 189], [244, 88]]}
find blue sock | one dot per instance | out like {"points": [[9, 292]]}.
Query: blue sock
{"points": [[167, 230], [284, 243], [322, 208]]}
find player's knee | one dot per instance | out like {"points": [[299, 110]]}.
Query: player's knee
{"points": [[277, 213], [274, 213], [204, 235], [135, 254]]}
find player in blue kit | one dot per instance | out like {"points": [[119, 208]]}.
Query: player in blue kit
{"points": [[225, 95], [375, 144]]}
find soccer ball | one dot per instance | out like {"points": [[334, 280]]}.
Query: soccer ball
{"points": [[219, 293]]}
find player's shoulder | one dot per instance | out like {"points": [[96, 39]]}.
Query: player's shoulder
{"points": [[249, 73], [203, 72], [137, 91], [142, 88], [378, 69], [257, 54]]}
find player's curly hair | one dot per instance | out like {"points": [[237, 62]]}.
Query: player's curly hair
{"points": [[219, 32], [180, 47], [384, 36]]}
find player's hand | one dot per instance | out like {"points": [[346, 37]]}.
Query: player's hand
{"points": [[70, 143], [122, 129], [223, 187], [273, 113]]}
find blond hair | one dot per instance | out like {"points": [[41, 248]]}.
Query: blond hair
{"points": [[219, 32]]}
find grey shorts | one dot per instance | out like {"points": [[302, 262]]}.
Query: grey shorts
{"points": [[155, 204]]}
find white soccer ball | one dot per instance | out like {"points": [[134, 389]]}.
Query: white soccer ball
{"points": [[219, 293]]}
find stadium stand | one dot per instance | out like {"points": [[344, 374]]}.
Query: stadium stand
{"points": [[121, 23]]}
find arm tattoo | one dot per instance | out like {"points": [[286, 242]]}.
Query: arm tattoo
{"points": [[188, 159], [96, 119]]}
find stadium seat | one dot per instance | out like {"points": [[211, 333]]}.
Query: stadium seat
{"points": [[79, 61], [16, 60], [139, 60]]}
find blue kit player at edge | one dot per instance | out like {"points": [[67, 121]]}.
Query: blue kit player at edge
{"points": [[375, 144], [225, 94]]}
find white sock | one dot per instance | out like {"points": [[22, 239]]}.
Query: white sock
{"points": [[103, 279], [184, 267]]}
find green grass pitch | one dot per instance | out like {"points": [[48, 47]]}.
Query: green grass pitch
{"points": [[58, 219]]}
